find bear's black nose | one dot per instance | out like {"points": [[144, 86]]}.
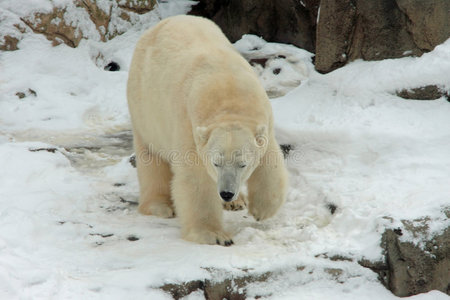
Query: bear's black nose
{"points": [[227, 196]]}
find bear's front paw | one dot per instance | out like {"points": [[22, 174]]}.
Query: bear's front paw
{"points": [[238, 204], [203, 236], [162, 210], [263, 210]]}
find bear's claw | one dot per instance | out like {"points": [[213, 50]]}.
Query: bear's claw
{"points": [[209, 237], [226, 244], [229, 243]]}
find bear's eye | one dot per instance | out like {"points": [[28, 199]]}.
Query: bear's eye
{"points": [[242, 166], [216, 165]]}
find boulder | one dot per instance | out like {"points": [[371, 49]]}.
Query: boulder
{"points": [[337, 21], [375, 30], [284, 21], [417, 268], [427, 21]]}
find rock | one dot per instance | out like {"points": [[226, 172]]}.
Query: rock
{"points": [[336, 24], [414, 269], [72, 21], [286, 148], [280, 68], [9, 43], [27, 93], [10, 31], [132, 160], [51, 150], [21, 95], [379, 267], [283, 21], [429, 92], [112, 67], [332, 207], [231, 288], [427, 21], [132, 238], [408, 268], [346, 29], [137, 6], [178, 291], [56, 31], [375, 30]]}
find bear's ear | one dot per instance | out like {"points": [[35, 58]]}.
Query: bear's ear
{"points": [[261, 135], [201, 134]]}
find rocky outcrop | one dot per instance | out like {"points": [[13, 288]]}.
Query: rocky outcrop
{"points": [[428, 22], [77, 20], [346, 29], [409, 268], [413, 268], [56, 31], [374, 30], [232, 288], [337, 22], [284, 21]]}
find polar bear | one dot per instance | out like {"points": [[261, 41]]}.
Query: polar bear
{"points": [[202, 128]]}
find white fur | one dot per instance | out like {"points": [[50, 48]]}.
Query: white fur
{"points": [[192, 96]]}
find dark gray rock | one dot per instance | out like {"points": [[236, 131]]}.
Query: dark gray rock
{"points": [[375, 30], [428, 22], [232, 288], [408, 268], [414, 269], [284, 21], [286, 148], [178, 291], [132, 160], [429, 92], [336, 24], [27, 93]]}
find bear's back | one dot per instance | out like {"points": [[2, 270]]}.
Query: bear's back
{"points": [[185, 34]]}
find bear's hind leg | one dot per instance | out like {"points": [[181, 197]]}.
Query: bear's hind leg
{"points": [[154, 176]]}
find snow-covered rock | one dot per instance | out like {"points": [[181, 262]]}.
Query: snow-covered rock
{"points": [[70, 21]]}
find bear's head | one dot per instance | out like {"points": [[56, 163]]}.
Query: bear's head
{"points": [[230, 154]]}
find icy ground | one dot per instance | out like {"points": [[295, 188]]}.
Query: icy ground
{"points": [[69, 228]]}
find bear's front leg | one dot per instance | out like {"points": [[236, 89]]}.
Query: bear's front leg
{"points": [[268, 184], [198, 206]]}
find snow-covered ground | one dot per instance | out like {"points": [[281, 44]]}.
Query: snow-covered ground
{"points": [[68, 225]]}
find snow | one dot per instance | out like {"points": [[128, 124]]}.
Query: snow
{"points": [[69, 228], [286, 66]]}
